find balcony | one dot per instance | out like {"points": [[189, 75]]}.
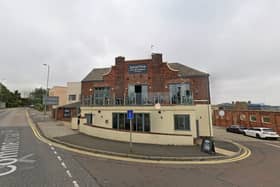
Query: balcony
{"points": [[137, 99]]}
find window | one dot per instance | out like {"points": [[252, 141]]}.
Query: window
{"points": [[72, 97], [140, 122], [67, 112], [180, 93], [182, 122], [101, 95], [266, 119], [253, 118], [88, 118]]}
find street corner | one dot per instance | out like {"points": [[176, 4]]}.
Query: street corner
{"points": [[227, 152]]}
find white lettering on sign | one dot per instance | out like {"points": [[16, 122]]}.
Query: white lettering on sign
{"points": [[9, 152]]}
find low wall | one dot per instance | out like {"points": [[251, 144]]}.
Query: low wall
{"points": [[137, 137]]}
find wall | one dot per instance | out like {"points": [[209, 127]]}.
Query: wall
{"points": [[233, 117], [162, 122], [73, 88], [137, 137], [61, 92], [158, 77]]}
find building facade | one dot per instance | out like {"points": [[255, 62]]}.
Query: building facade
{"points": [[61, 93], [248, 115], [171, 102], [73, 92]]}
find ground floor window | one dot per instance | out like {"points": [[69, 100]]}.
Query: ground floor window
{"points": [[253, 118], [88, 118], [140, 122], [182, 122], [66, 113]]}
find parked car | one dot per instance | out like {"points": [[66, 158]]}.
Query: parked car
{"points": [[236, 129], [261, 132]]}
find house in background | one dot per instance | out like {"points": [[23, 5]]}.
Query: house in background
{"points": [[247, 114], [61, 93], [171, 102], [73, 92], [71, 96]]}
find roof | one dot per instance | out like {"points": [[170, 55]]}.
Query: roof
{"points": [[71, 105], [183, 71], [186, 71], [96, 74]]}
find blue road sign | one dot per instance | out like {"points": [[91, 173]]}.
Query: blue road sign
{"points": [[130, 114]]}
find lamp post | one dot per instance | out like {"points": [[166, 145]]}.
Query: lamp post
{"points": [[47, 88]]}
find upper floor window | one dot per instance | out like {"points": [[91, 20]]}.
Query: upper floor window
{"points": [[101, 95], [180, 93], [72, 97]]}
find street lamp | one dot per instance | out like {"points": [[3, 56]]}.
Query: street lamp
{"points": [[47, 90]]}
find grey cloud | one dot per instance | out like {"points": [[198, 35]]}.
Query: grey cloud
{"points": [[237, 42]]}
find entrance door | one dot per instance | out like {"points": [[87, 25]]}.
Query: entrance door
{"points": [[137, 94]]}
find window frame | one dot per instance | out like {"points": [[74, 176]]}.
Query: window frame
{"points": [[253, 115], [266, 121], [186, 118]]}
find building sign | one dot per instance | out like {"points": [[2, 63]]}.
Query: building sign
{"points": [[50, 100], [137, 68]]}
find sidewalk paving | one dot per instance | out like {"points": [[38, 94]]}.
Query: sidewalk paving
{"points": [[60, 131]]}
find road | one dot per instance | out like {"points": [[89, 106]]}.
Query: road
{"points": [[38, 164]]}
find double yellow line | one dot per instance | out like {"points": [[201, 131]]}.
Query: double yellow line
{"points": [[246, 152]]}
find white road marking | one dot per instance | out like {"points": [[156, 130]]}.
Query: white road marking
{"points": [[63, 165], [59, 158], [50, 144], [55, 152], [76, 184], [69, 174], [278, 146], [26, 160], [52, 148]]}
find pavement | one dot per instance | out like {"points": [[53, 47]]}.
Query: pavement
{"points": [[61, 132]]}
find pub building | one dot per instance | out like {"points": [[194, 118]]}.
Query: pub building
{"points": [[170, 102]]}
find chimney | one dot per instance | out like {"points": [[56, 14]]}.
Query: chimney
{"points": [[119, 60], [156, 57]]}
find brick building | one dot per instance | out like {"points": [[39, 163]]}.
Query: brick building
{"points": [[180, 92], [248, 115]]}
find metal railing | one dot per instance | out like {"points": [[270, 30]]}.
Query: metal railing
{"points": [[138, 99]]}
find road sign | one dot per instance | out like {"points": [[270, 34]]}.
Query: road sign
{"points": [[50, 100], [130, 114]]}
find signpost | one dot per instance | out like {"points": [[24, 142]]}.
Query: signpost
{"points": [[50, 100], [130, 116]]}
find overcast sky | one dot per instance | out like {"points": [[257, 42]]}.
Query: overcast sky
{"points": [[236, 42]]}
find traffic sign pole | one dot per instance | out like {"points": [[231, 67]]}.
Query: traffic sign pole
{"points": [[130, 138], [130, 116]]}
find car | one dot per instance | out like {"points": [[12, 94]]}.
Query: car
{"points": [[261, 132], [236, 129]]}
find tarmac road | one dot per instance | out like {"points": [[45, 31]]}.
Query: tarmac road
{"points": [[260, 169], [25, 161]]}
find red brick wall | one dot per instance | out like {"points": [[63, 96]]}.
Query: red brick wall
{"points": [[58, 114], [158, 77], [233, 117]]}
